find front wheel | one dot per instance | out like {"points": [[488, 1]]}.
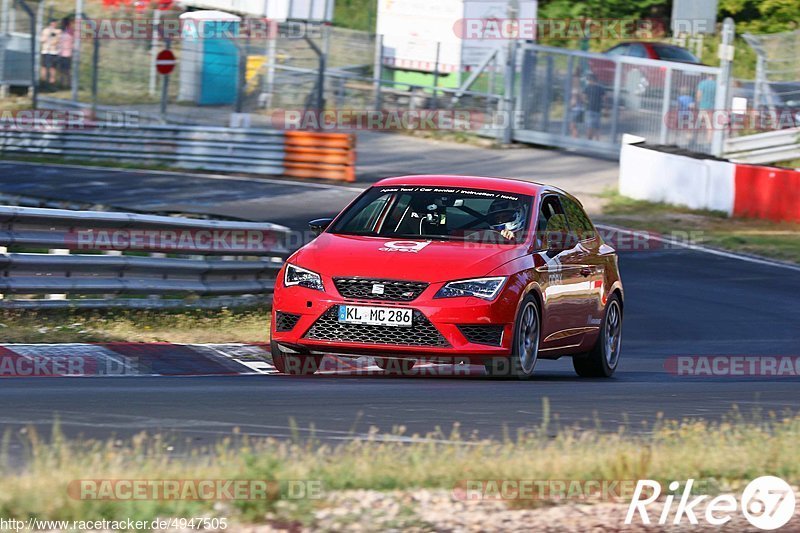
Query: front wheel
{"points": [[525, 351], [602, 361], [294, 364]]}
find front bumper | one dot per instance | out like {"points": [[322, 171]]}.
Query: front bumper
{"points": [[443, 340]]}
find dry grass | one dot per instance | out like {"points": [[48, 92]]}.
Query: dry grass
{"points": [[760, 237], [185, 326], [724, 455]]}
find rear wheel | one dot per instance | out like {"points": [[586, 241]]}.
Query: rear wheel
{"points": [[402, 366], [294, 364], [602, 361], [525, 350]]}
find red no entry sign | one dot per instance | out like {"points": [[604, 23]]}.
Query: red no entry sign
{"points": [[165, 61]]}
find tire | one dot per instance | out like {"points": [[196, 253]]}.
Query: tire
{"points": [[525, 347], [294, 364], [602, 361], [395, 366]]}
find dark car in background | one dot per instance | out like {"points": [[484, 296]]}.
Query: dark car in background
{"points": [[637, 79], [776, 104]]}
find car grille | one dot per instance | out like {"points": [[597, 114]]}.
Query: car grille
{"points": [[393, 290], [285, 321], [491, 335], [421, 332]]}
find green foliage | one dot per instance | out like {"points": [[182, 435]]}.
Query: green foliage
{"points": [[356, 14], [762, 16], [603, 9]]}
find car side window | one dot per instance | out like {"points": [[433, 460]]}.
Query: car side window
{"points": [[636, 50], [619, 50], [579, 224], [551, 218]]}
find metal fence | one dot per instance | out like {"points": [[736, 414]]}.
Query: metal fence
{"points": [[522, 92], [587, 101], [134, 260], [777, 83]]}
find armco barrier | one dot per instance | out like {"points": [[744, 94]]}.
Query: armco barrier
{"points": [[175, 261], [766, 147], [737, 189], [297, 154]]}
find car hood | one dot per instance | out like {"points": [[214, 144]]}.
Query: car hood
{"points": [[374, 257]]}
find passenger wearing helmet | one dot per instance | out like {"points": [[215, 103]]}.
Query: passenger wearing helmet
{"points": [[506, 217]]}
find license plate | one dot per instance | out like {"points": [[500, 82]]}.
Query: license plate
{"points": [[375, 316]]}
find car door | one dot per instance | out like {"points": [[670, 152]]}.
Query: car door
{"points": [[587, 256], [565, 306]]}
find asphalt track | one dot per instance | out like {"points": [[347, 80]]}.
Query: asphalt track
{"points": [[678, 302]]}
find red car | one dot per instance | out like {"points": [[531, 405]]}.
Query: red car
{"points": [[449, 269], [638, 79]]}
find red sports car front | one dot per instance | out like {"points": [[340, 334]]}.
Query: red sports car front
{"points": [[434, 268]]}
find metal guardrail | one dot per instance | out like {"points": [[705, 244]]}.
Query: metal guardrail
{"points": [[256, 151], [761, 148], [298, 154], [171, 261]]}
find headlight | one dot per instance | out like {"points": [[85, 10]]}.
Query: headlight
{"points": [[294, 275], [486, 288]]}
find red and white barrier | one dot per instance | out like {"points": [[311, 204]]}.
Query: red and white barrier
{"points": [[736, 189]]}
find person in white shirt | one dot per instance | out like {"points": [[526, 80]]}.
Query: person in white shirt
{"points": [[50, 38]]}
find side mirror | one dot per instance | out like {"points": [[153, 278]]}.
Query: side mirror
{"points": [[318, 225]]}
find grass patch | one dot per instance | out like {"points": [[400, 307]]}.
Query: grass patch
{"points": [[181, 326], [723, 455], [777, 240]]}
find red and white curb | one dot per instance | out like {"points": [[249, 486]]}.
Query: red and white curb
{"points": [[166, 359]]}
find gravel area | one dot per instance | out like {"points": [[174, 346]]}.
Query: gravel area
{"points": [[437, 510]]}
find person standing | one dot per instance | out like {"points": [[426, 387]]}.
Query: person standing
{"points": [[576, 111], [706, 100], [49, 41], [685, 121], [595, 94], [65, 46]]}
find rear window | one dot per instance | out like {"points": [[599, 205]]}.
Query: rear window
{"points": [[674, 53]]}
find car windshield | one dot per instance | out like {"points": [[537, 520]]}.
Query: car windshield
{"points": [[674, 53], [438, 213]]}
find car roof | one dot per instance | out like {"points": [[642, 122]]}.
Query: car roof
{"points": [[511, 185]]}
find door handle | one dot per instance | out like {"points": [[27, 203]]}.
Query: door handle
{"points": [[586, 272]]}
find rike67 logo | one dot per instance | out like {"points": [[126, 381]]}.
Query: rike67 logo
{"points": [[768, 503]]}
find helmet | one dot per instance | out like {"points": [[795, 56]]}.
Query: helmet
{"points": [[506, 215]]}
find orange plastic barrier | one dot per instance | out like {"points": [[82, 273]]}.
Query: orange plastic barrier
{"points": [[312, 154], [767, 192]]}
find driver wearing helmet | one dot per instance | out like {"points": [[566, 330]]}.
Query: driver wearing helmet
{"points": [[506, 217]]}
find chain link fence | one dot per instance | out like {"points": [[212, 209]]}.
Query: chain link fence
{"points": [[775, 92]]}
